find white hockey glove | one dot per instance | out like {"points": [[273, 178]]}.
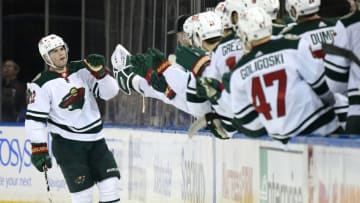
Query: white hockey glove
{"points": [[122, 68]]}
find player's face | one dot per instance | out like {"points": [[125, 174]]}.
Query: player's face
{"points": [[182, 40], [59, 56], [234, 18]]}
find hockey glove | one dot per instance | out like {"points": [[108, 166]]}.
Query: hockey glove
{"points": [[124, 78], [209, 88], [40, 156], [157, 60], [158, 82], [140, 66], [192, 59], [122, 69], [213, 123], [95, 63]]}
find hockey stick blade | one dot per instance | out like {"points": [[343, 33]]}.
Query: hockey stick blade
{"points": [[335, 50], [197, 125]]}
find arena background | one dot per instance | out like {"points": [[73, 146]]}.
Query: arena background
{"points": [[96, 26]]}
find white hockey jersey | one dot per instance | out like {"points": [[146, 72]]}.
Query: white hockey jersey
{"points": [[223, 60], [352, 33], [66, 104], [224, 57], [317, 32], [281, 82]]}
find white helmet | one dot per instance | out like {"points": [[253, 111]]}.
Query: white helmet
{"points": [[272, 7], [220, 11], [297, 8], [203, 26], [255, 24], [48, 43], [189, 29], [237, 7]]}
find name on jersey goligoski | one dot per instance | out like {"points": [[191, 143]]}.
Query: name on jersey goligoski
{"points": [[260, 64]]}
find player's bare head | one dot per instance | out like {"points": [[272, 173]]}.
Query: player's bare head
{"points": [[203, 26], [254, 25], [49, 44], [300, 8]]}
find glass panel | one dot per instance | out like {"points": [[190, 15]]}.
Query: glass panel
{"points": [[95, 27], [23, 26], [65, 21]]}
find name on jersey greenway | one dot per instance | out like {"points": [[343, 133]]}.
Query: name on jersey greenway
{"points": [[260, 64], [231, 47]]}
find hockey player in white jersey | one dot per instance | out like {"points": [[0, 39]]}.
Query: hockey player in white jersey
{"points": [[347, 35], [153, 65], [63, 98], [317, 30], [352, 25], [208, 29], [224, 58], [271, 80]]}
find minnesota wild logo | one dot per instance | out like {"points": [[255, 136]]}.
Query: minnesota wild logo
{"points": [[80, 180], [74, 99]]}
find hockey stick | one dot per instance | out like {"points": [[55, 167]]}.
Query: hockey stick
{"points": [[213, 123], [47, 184], [197, 125], [335, 50]]}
